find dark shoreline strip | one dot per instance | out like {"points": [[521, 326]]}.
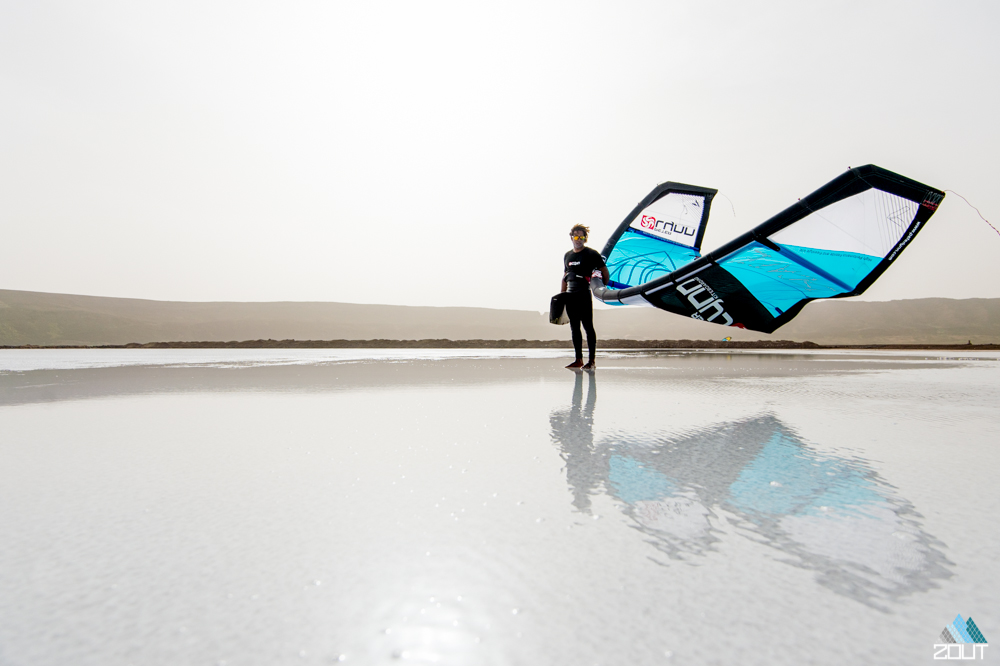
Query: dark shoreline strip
{"points": [[504, 344]]}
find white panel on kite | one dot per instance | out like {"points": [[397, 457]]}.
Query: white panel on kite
{"points": [[674, 217], [869, 223]]}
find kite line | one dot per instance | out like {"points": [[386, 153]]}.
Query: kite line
{"points": [[975, 209]]}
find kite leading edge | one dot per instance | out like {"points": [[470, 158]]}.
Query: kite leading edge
{"points": [[830, 244]]}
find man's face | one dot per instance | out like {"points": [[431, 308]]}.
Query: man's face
{"points": [[579, 238]]}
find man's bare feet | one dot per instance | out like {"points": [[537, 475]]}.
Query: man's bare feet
{"points": [[590, 366], [578, 363]]}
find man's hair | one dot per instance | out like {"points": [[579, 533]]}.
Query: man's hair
{"points": [[585, 230]]}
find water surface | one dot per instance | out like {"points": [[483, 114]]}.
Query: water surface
{"points": [[489, 507]]}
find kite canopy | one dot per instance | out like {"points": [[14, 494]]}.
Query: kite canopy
{"points": [[833, 243]]}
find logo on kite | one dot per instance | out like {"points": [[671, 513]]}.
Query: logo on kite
{"points": [[709, 306], [932, 200], [664, 227]]}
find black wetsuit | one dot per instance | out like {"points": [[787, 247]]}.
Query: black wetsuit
{"points": [[579, 306]]}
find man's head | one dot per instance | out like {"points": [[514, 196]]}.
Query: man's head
{"points": [[579, 235]]}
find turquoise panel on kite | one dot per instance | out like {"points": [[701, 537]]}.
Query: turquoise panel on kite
{"points": [[781, 279], [775, 280], [833, 243], [638, 258], [849, 267]]}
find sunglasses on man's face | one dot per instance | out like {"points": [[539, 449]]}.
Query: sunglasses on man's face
{"points": [[574, 237]]}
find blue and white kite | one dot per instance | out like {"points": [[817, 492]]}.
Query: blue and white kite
{"points": [[831, 244]]}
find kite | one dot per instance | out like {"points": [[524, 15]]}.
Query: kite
{"points": [[832, 243]]}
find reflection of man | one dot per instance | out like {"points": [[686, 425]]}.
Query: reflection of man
{"points": [[573, 432]]}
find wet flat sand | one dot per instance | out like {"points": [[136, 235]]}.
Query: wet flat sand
{"points": [[490, 507]]}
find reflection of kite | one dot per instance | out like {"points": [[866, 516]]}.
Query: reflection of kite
{"points": [[757, 479], [827, 513], [833, 243]]}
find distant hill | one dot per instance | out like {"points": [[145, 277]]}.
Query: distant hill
{"points": [[62, 319]]}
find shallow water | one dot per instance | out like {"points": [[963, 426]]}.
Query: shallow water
{"points": [[488, 507]]}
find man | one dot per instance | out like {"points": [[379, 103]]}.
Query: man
{"points": [[579, 264]]}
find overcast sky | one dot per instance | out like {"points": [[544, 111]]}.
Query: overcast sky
{"points": [[427, 153]]}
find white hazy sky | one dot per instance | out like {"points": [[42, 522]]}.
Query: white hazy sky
{"points": [[428, 153]]}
